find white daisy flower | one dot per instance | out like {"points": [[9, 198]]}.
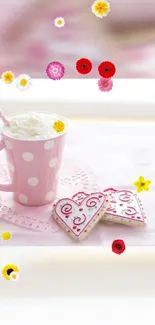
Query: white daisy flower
{"points": [[23, 82], [13, 276], [59, 22]]}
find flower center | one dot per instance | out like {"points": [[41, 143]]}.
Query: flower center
{"points": [[23, 82], [118, 246], [9, 271], [14, 276], [142, 184], [8, 77], [84, 66], [55, 70], [105, 84], [102, 7], [106, 69], [59, 22]]}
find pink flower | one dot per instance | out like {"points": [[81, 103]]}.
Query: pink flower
{"points": [[105, 84], [55, 70]]}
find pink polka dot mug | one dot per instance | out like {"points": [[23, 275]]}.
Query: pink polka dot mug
{"points": [[33, 167]]}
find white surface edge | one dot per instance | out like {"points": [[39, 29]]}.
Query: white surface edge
{"points": [[75, 272], [81, 98], [76, 254]]}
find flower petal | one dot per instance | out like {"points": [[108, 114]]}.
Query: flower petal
{"points": [[136, 183], [139, 189], [148, 182], [146, 188], [141, 179]]}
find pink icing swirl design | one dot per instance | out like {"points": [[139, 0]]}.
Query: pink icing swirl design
{"points": [[110, 208], [79, 197], [125, 197], [79, 220], [130, 211], [92, 202], [66, 209]]}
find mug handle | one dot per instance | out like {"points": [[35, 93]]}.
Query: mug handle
{"points": [[5, 187]]}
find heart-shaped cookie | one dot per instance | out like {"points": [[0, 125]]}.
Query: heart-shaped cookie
{"points": [[123, 207], [79, 218]]}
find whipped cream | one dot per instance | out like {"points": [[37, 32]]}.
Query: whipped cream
{"points": [[32, 126]]}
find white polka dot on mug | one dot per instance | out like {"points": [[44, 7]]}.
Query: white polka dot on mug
{"points": [[49, 196], [33, 181], [28, 156], [8, 144], [23, 198], [49, 145], [53, 162]]}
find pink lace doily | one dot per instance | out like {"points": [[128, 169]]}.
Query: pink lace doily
{"points": [[72, 179]]}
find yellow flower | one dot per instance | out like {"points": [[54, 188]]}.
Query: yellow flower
{"points": [[8, 77], [6, 235], [10, 272], [101, 8], [59, 126], [142, 184], [59, 22]]}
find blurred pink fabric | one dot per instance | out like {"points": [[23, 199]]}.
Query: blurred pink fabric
{"points": [[29, 40], [132, 11]]}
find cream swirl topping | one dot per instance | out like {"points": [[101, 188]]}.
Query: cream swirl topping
{"points": [[31, 126], [27, 126]]}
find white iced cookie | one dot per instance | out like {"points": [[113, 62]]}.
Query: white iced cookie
{"points": [[79, 218], [123, 207]]}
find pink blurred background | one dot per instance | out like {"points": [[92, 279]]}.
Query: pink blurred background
{"points": [[29, 40]]}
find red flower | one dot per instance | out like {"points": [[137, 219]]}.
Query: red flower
{"points": [[118, 246], [106, 69], [83, 66]]}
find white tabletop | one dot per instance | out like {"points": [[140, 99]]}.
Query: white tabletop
{"points": [[81, 98], [81, 285]]}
